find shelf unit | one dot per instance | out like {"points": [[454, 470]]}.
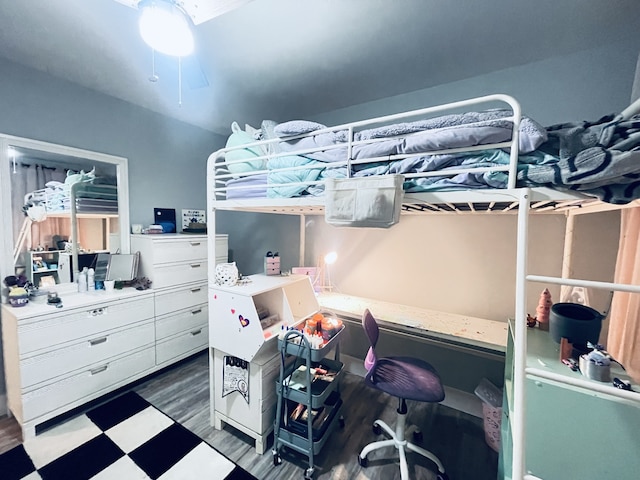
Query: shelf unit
{"points": [[49, 261], [244, 322], [298, 395], [567, 400], [522, 375]]}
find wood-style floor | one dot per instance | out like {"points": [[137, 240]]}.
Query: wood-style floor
{"points": [[182, 392]]}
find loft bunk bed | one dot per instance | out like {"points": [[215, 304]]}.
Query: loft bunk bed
{"points": [[82, 195], [475, 162]]}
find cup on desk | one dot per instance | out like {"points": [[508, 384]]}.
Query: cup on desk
{"points": [[136, 228], [109, 285]]}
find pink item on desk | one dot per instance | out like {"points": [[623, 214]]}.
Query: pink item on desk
{"points": [[543, 309]]}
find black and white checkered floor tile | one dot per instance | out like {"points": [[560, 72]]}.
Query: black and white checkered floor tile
{"points": [[124, 439]]}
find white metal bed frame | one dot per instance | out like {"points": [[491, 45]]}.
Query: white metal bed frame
{"points": [[519, 201]]}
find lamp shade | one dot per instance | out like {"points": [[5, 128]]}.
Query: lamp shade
{"points": [[165, 27]]}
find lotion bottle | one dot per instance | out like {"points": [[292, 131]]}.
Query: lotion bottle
{"points": [[82, 280], [91, 283]]}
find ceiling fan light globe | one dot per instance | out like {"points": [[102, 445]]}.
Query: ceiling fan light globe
{"points": [[165, 28]]}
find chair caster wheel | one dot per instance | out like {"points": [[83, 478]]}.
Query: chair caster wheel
{"points": [[417, 436], [277, 460], [377, 429], [442, 476], [308, 474], [363, 461]]}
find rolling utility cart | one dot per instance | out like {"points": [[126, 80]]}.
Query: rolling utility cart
{"points": [[308, 399]]}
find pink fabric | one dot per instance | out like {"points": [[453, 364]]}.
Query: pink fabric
{"points": [[369, 360], [623, 341]]}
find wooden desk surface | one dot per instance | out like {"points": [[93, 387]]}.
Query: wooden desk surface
{"points": [[472, 332]]}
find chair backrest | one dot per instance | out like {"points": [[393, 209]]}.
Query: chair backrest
{"points": [[373, 332]]}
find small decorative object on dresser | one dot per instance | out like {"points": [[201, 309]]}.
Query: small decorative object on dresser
{"points": [[272, 263], [543, 309]]}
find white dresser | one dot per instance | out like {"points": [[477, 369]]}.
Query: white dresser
{"points": [[57, 359], [177, 266]]}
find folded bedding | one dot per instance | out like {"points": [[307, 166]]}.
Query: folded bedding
{"points": [[94, 194], [253, 186], [440, 133], [443, 163], [599, 158], [290, 176]]}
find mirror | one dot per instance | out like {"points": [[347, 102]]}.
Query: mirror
{"points": [[123, 267], [64, 205]]}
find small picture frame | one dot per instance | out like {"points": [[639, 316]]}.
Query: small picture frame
{"points": [[193, 216], [165, 217]]}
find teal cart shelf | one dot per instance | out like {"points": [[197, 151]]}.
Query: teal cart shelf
{"points": [[309, 406]]}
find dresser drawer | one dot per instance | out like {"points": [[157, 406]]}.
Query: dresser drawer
{"points": [[79, 355], [179, 274], [80, 387], [182, 321], [80, 323], [180, 298], [182, 345], [178, 250]]}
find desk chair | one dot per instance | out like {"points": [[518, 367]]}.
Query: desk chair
{"points": [[408, 379]]}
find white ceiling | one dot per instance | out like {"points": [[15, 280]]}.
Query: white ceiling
{"points": [[284, 59]]}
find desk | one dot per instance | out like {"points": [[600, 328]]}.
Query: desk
{"points": [[571, 429], [470, 333]]}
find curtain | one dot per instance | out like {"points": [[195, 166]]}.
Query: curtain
{"points": [[623, 341], [26, 179]]}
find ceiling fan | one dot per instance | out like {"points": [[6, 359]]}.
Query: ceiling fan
{"points": [[199, 11], [176, 39]]}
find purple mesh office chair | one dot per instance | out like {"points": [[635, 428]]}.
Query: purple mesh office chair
{"points": [[408, 379]]}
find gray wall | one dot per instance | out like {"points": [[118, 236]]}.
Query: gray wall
{"points": [[582, 86], [167, 158], [252, 235]]}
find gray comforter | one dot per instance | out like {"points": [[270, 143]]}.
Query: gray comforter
{"points": [[599, 158], [440, 133]]}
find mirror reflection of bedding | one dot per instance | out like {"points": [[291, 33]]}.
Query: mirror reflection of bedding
{"points": [[89, 194]]}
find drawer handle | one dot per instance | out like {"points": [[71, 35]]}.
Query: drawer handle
{"points": [[101, 369], [98, 311], [196, 265], [97, 341], [195, 290], [196, 312], [195, 244], [196, 332]]}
